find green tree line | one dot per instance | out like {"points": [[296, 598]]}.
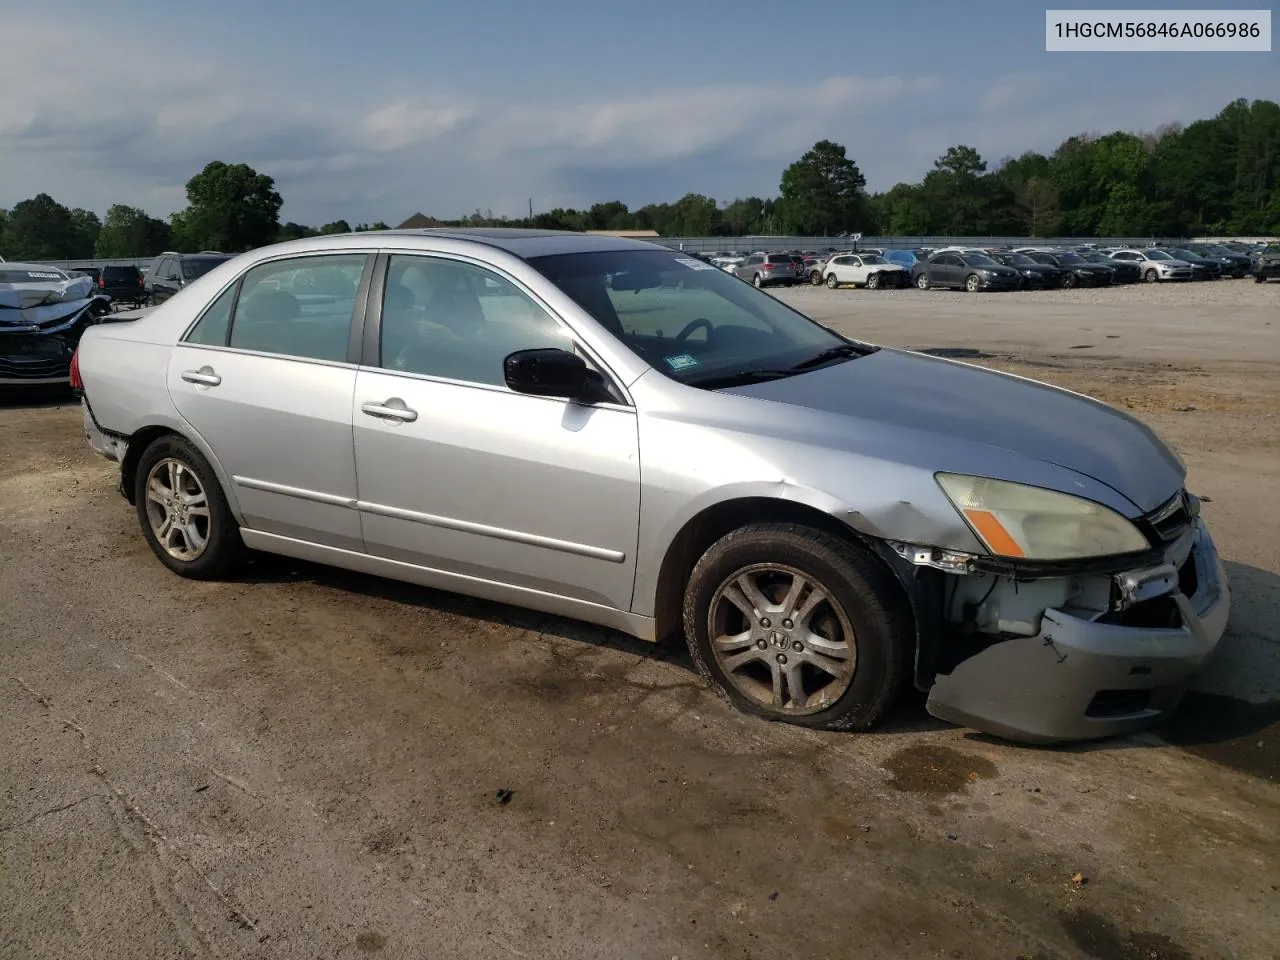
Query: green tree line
{"points": [[1216, 176]]}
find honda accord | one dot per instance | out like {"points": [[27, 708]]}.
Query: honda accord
{"points": [[609, 430]]}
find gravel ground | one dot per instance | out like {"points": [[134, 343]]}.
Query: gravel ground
{"points": [[305, 763]]}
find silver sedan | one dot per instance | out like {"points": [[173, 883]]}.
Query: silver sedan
{"points": [[613, 431]]}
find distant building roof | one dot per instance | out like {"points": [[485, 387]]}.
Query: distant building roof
{"points": [[623, 233], [420, 221]]}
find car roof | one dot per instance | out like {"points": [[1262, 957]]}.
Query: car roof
{"points": [[523, 243]]}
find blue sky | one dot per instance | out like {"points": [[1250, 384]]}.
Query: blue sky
{"points": [[377, 109]]}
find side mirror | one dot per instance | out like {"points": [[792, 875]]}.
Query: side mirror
{"points": [[552, 372]]}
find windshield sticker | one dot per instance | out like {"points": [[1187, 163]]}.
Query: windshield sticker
{"points": [[681, 362], [43, 276], [693, 264]]}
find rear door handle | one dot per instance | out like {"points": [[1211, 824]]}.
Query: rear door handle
{"points": [[393, 409], [204, 375]]}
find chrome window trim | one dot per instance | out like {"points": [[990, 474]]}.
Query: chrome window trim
{"points": [[374, 315]]}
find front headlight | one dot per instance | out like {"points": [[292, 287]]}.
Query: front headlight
{"points": [[1016, 520]]}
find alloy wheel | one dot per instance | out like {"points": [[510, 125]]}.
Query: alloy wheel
{"points": [[178, 509], [781, 639]]}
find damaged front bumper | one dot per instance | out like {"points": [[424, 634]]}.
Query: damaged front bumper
{"points": [[1085, 675]]}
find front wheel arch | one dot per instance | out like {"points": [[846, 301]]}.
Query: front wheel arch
{"points": [[717, 520]]}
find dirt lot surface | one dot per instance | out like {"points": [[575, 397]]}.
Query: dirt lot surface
{"points": [[307, 763]]}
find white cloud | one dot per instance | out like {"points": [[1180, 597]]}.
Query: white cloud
{"points": [[409, 123], [134, 129]]}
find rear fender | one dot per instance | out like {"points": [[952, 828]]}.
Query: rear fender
{"points": [[143, 432]]}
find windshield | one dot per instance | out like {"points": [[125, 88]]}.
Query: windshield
{"points": [[1072, 258], [1218, 251], [199, 266], [873, 260], [1157, 255], [1018, 260], [979, 260], [1185, 255], [684, 318]]}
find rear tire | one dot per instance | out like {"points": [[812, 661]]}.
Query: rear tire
{"points": [[815, 277], [838, 662], [174, 480], [758, 281]]}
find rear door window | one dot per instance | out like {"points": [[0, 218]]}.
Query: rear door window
{"points": [[298, 307]]}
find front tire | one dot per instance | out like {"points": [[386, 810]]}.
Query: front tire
{"points": [[792, 623], [832, 282], [971, 283], [873, 282], [1068, 280], [183, 512], [922, 282], [1151, 276]]}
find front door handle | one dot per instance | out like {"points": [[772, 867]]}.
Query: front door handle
{"points": [[393, 409], [204, 376]]}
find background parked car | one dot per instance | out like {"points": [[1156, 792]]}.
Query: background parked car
{"points": [[1124, 271], [767, 269], [123, 284], [1076, 271], [1266, 263], [813, 264], [906, 259], [1202, 268], [170, 272], [1155, 264], [1033, 272], [727, 262], [43, 313], [967, 271], [864, 270], [1234, 265]]}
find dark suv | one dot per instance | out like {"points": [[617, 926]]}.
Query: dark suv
{"points": [[170, 272], [122, 284]]}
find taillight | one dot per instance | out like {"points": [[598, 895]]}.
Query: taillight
{"points": [[140, 282], [102, 283], [76, 382]]}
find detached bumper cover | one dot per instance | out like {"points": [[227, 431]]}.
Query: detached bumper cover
{"points": [[1086, 679], [102, 442]]}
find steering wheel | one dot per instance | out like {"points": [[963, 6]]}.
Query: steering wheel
{"points": [[693, 325]]}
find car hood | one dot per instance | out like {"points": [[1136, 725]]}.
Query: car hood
{"points": [[957, 402]]}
